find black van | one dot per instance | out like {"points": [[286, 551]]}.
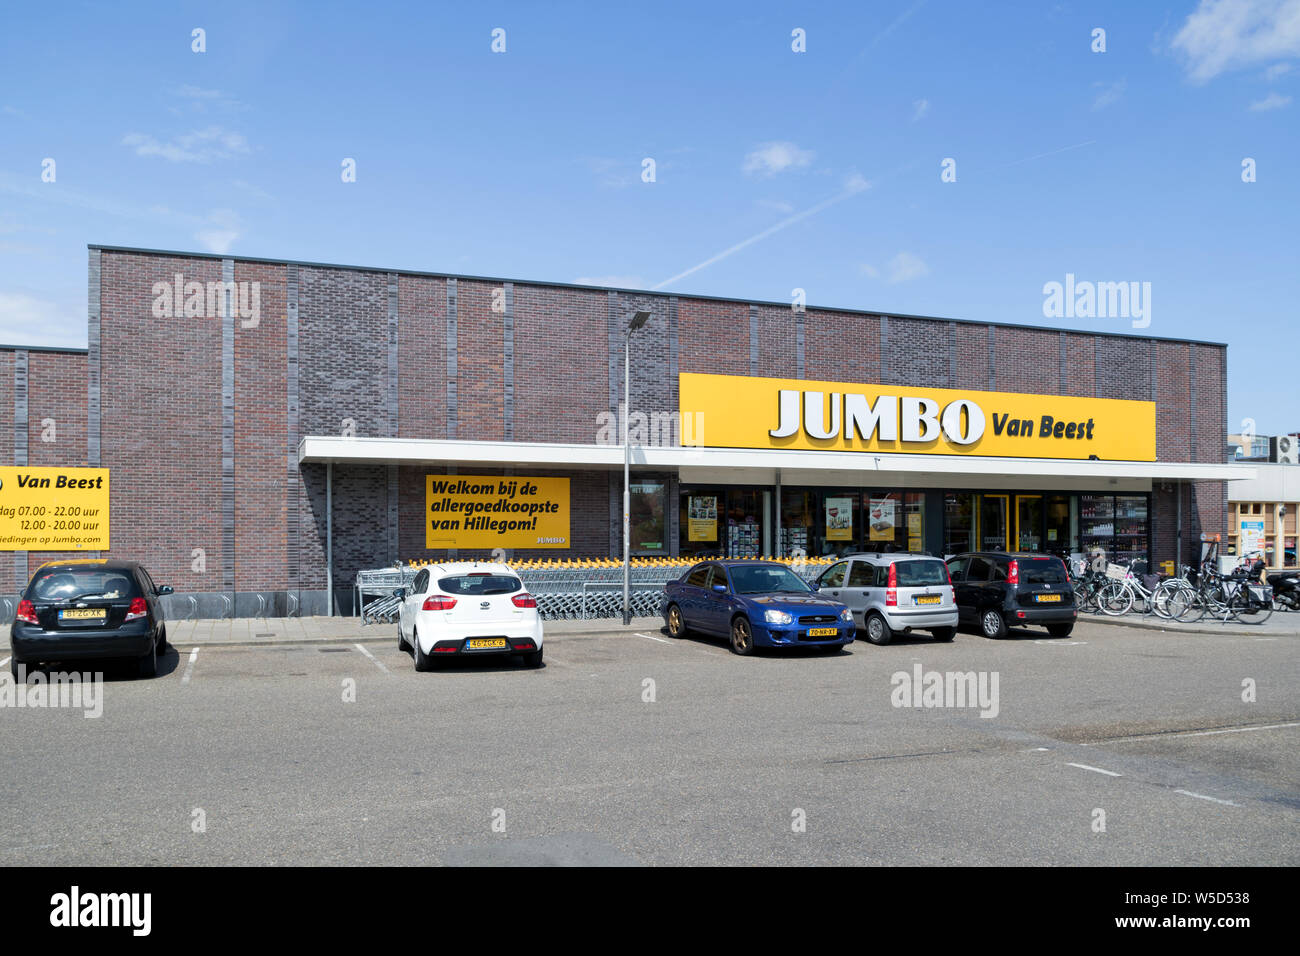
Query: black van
{"points": [[997, 590]]}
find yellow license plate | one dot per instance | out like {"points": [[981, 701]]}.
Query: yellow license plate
{"points": [[823, 631], [83, 614], [928, 599], [486, 643], [1047, 598]]}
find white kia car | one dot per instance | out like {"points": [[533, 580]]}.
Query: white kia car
{"points": [[467, 609]]}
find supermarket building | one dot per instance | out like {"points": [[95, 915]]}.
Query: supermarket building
{"points": [[270, 427]]}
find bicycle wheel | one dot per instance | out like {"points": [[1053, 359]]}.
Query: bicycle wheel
{"points": [[1187, 606], [1248, 611], [1162, 594], [1115, 599]]}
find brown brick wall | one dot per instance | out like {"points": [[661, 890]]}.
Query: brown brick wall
{"points": [[162, 414], [161, 421], [422, 345], [261, 434], [56, 389], [561, 372], [480, 381], [1026, 360], [841, 346]]}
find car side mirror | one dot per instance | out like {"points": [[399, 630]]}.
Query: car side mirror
{"points": [[400, 594], [164, 589], [720, 588]]}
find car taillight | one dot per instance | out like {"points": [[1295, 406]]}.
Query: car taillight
{"points": [[891, 594], [1013, 574], [439, 603], [137, 609], [524, 600], [26, 612]]}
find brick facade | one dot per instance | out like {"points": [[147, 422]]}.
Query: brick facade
{"points": [[375, 353]]}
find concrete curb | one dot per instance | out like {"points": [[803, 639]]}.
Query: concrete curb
{"points": [[1232, 629]]}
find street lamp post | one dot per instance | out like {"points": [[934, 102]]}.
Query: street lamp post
{"points": [[638, 319]]}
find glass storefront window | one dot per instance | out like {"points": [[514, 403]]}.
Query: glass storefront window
{"points": [[893, 521], [1062, 518], [1131, 528], [647, 518], [994, 521], [958, 523], [796, 522], [745, 524], [700, 522], [837, 523]]}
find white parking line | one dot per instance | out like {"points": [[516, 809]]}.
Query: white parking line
{"points": [[1204, 733], [374, 660], [189, 667], [1084, 766], [650, 637], [1201, 796], [4, 662]]}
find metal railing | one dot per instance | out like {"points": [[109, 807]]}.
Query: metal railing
{"points": [[565, 590]]}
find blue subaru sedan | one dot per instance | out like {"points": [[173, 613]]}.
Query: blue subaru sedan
{"points": [[755, 604]]}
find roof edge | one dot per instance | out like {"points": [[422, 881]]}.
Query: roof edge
{"points": [[644, 292]]}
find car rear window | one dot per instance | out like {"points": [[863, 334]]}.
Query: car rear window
{"points": [[479, 584], [1042, 571], [921, 574], [63, 584]]}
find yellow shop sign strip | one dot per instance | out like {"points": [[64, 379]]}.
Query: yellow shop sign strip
{"points": [[487, 511], [53, 509], [742, 412]]}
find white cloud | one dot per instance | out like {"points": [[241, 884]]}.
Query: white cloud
{"points": [[1110, 92], [200, 146], [902, 268], [613, 282], [856, 183], [12, 111], [772, 158], [222, 230], [778, 205], [919, 109], [1223, 35], [1274, 101], [1276, 70], [27, 320]]}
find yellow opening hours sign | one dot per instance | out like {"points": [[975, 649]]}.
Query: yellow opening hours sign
{"points": [[53, 509]]}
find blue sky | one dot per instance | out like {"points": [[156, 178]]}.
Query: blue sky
{"points": [[774, 169]]}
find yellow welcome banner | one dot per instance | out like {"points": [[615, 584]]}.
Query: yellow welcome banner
{"points": [[743, 412], [485, 511]]}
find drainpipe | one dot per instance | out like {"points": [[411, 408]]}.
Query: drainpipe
{"points": [[329, 539], [1178, 562]]}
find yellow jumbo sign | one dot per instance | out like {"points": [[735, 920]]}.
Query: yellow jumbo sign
{"points": [[486, 511], [53, 509], [742, 412]]}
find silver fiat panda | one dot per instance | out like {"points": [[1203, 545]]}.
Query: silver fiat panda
{"points": [[894, 593]]}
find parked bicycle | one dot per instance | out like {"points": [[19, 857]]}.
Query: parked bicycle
{"points": [[1238, 596]]}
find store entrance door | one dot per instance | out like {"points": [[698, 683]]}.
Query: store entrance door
{"points": [[1029, 522], [994, 522]]}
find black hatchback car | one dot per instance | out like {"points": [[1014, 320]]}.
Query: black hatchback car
{"points": [[996, 590], [89, 610]]}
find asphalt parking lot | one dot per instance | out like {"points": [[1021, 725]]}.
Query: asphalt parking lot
{"points": [[486, 762]]}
